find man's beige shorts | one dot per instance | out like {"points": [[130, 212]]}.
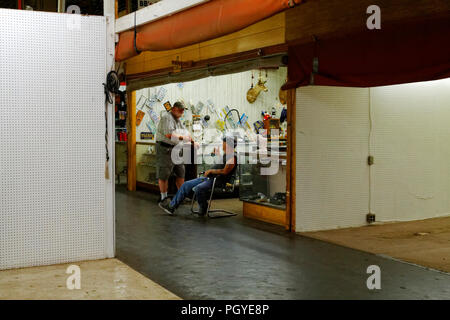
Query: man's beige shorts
{"points": [[164, 164]]}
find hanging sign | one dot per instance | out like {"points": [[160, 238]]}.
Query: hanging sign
{"points": [[147, 135], [140, 114], [144, 3], [167, 105], [139, 117], [161, 94], [153, 115]]}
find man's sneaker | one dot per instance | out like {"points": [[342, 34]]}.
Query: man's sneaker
{"points": [[165, 205], [166, 198]]}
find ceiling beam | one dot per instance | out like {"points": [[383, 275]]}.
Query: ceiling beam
{"points": [[154, 12]]}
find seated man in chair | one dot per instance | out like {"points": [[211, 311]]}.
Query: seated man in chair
{"points": [[223, 172]]}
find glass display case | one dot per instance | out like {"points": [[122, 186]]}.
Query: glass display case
{"points": [[121, 163], [262, 179], [146, 163]]}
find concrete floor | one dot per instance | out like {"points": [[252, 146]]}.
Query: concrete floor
{"points": [[238, 258], [101, 279], [424, 242]]}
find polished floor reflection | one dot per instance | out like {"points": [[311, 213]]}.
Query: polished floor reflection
{"points": [[238, 258]]}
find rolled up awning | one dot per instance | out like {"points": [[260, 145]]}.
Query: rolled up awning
{"points": [[208, 21], [408, 51]]}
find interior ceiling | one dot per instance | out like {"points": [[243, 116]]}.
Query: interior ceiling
{"points": [[8, 4], [91, 7]]}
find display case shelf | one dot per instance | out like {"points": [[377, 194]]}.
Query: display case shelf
{"points": [[260, 189]]}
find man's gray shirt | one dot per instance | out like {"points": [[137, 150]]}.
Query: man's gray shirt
{"points": [[168, 125]]}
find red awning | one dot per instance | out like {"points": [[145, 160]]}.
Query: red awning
{"points": [[208, 21], [408, 52]]}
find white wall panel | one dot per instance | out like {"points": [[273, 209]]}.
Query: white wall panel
{"points": [[52, 147], [410, 178], [331, 148], [411, 145]]}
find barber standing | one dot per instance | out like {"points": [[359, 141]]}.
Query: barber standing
{"points": [[169, 133]]}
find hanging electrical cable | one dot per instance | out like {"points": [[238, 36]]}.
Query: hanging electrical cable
{"points": [[237, 111], [112, 85]]}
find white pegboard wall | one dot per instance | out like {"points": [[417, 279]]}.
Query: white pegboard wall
{"points": [[411, 146], [332, 132], [52, 159]]}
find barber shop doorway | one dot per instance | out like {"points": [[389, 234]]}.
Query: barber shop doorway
{"points": [[243, 100]]}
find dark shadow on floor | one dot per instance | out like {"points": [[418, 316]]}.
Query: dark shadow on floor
{"points": [[239, 258]]}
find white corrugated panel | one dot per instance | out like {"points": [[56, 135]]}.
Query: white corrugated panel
{"points": [[52, 188], [226, 90], [411, 145], [332, 175]]}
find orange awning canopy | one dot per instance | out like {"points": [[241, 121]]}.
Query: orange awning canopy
{"points": [[201, 23]]}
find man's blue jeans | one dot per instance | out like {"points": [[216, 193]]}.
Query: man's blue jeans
{"points": [[202, 191]]}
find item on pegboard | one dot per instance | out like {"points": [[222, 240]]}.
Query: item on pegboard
{"points": [[122, 136], [167, 106], [243, 121], [265, 115], [199, 107], [150, 102], [249, 134], [283, 115], [274, 112], [220, 125], [205, 120], [197, 128], [153, 115], [258, 125], [190, 106], [230, 117], [161, 94], [143, 99], [272, 124], [188, 124], [283, 128], [147, 135], [211, 107], [151, 126], [282, 96], [254, 91], [140, 116]]}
